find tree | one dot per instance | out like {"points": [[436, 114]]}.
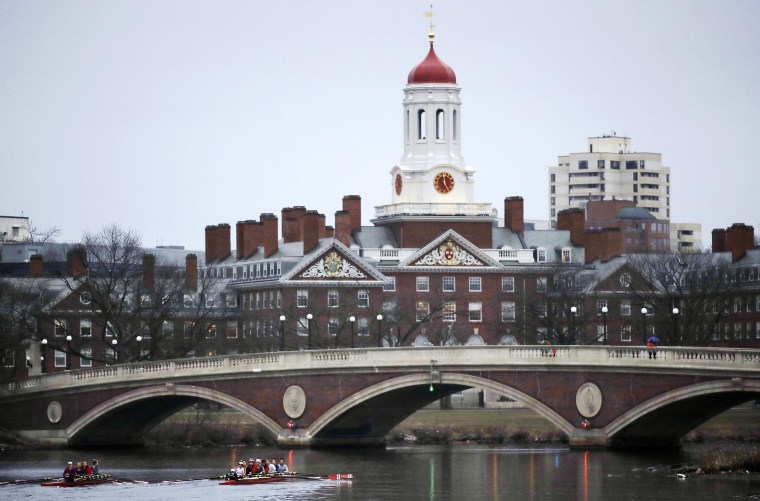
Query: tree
{"points": [[42, 235]]}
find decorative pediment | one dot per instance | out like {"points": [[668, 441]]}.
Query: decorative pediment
{"points": [[333, 262], [450, 249], [332, 265]]}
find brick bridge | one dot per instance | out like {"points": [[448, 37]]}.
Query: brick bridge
{"points": [[356, 396]]}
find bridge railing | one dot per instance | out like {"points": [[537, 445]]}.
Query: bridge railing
{"points": [[404, 358]]}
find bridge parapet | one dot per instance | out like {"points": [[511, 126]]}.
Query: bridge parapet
{"points": [[443, 358]]}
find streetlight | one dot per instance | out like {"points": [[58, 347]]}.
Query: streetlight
{"points": [[573, 311], [604, 317], [68, 350], [309, 316], [379, 330], [44, 352], [282, 332], [139, 340], [644, 312], [675, 325], [352, 319], [115, 353]]}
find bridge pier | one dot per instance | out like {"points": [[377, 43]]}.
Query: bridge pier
{"points": [[588, 439]]}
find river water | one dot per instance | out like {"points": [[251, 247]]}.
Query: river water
{"points": [[460, 472]]}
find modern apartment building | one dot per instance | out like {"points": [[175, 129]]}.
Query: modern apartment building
{"points": [[610, 170]]}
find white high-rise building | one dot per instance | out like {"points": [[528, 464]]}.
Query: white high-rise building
{"points": [[610, 170]]}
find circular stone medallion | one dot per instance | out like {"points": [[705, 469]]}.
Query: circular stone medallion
{"points": [[294, 401], [54, 412], [588, 400]]}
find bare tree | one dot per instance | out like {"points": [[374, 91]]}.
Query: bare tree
{"points": [[42, 235]]}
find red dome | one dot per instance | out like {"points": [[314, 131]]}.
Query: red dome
{"points": [[432, 70]]}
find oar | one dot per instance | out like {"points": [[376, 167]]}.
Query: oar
{"points": [[30, 481], [332, 476]]}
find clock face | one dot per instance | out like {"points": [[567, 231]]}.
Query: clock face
{"points": [[443, 182], [399, 184]]}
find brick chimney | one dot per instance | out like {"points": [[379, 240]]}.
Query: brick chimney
{"points": [[573, 220], [191, 272], [739, 239], [290, 230], [248, 238], [353, 204], [149, 271], [36, 266], [297, 212], [310, 231], [329, 232], [322, 226], [218, 243], [603, 244], [343, 227], [513, 214], [719, 240], [76, 262], [269, 233]]}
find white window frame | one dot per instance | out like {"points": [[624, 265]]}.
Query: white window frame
{"points": [[85, 327], [302, 298], [333, 298], [541, 255], [450, 312], [508, 311], [421, 311], [59, 358], [60, 327], [475, 311], [625, 333], [167, 329], [232, 329], [390, 285], [507, 284], [475, 284], [362, 299], [601, 303], [422, 284], [541, 284], [449, 283], [333, 326], [302, 328], [625, 308], [83, 360], [362, 328]]}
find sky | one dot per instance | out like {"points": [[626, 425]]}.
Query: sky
{"points": [[167, 116]]}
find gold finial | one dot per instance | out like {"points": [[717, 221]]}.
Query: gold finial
{"points": [[429, 14]]}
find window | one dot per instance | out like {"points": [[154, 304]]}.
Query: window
{"points": [[757, 329], [422, 311], [553, 178], [737, 304], [541, 284], [615, 164], [541, 255], [302, 329], [476, 311], [631, 164], [187, 300], [757, 302], [302, 298], [600, 303], [231, 300], [600, 164], [188, 328], [625, 333], [211, 330], [390, 285], [85, 327], [507, 284], [625, 308], [449, 284], [583, 164], [85, 298], [232, 329], [363, 329], [440, 127], [423, 284], [85, 359], [476, 284], [450, 312], [421, 125], [333, 325], [167, 329], [362, 299], [332, 299], [210, 302], [60, 359], [508, 311], [566, 255], [389, 311], [60, 327], [9, 358]]}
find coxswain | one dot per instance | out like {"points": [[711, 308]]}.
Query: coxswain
{"points": [[70, 473], [95, 467], [240, 470]]}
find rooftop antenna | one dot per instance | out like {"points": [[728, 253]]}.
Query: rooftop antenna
{"points": [[430, 14]]}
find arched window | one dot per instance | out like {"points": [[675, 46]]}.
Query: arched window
{"points": [[440, 125], [421, 125], [454, 125]]}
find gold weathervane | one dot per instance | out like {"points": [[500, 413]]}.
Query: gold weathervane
{"points": [[429, 14]]}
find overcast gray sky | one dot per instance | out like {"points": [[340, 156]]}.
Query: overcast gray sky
{"points": [[167, 116]]}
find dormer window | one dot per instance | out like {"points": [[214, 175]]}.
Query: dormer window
{"points": [[566, 254], [541, 255]]}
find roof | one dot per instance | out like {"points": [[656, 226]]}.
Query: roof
{"points": [[432, 70], [635, 213]]}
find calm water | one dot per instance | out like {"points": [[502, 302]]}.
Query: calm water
{"points": [[397, 473]]}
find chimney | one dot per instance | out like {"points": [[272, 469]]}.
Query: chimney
{"points": [[149, 271], [513, 214], [217, 243], [191, 272], [269, 233], [719, 240], [603, 244], [322, 229], [290, 230], [343, 227], [329, 232], [739, 239], [353, 204], [297, 212], [248, 238], [76, 262], [36, 266], [573, 220], [310, 231]]}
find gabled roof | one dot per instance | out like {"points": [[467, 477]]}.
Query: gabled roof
{"points": [[332, 262], [449, 250]]}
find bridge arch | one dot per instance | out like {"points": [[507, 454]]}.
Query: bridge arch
{"points": [[448, 384], [668, 417], [142, 409]]}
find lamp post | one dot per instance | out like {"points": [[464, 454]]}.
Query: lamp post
{"points": [[68, 352], [115, 353], [309, 316], [282, 332], [44, 343], [644, 321], [352, 319], [573, 311], [675, 326], [379, 330], [604, 319], [139, 340]]}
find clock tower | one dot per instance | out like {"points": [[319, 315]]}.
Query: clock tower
{"points": [[432, 178]]}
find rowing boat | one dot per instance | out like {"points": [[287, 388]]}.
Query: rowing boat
{"points": [[281, 477], [82, 481]]}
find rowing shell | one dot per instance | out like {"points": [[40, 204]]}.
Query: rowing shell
{"points": [[82, 482], [265, 479]]}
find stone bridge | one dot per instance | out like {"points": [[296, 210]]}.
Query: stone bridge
{"points": [[600, 396]]}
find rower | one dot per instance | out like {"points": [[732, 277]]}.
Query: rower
{"points": [[282, 467], [94, 466], [240, 470], [69, 473]]}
